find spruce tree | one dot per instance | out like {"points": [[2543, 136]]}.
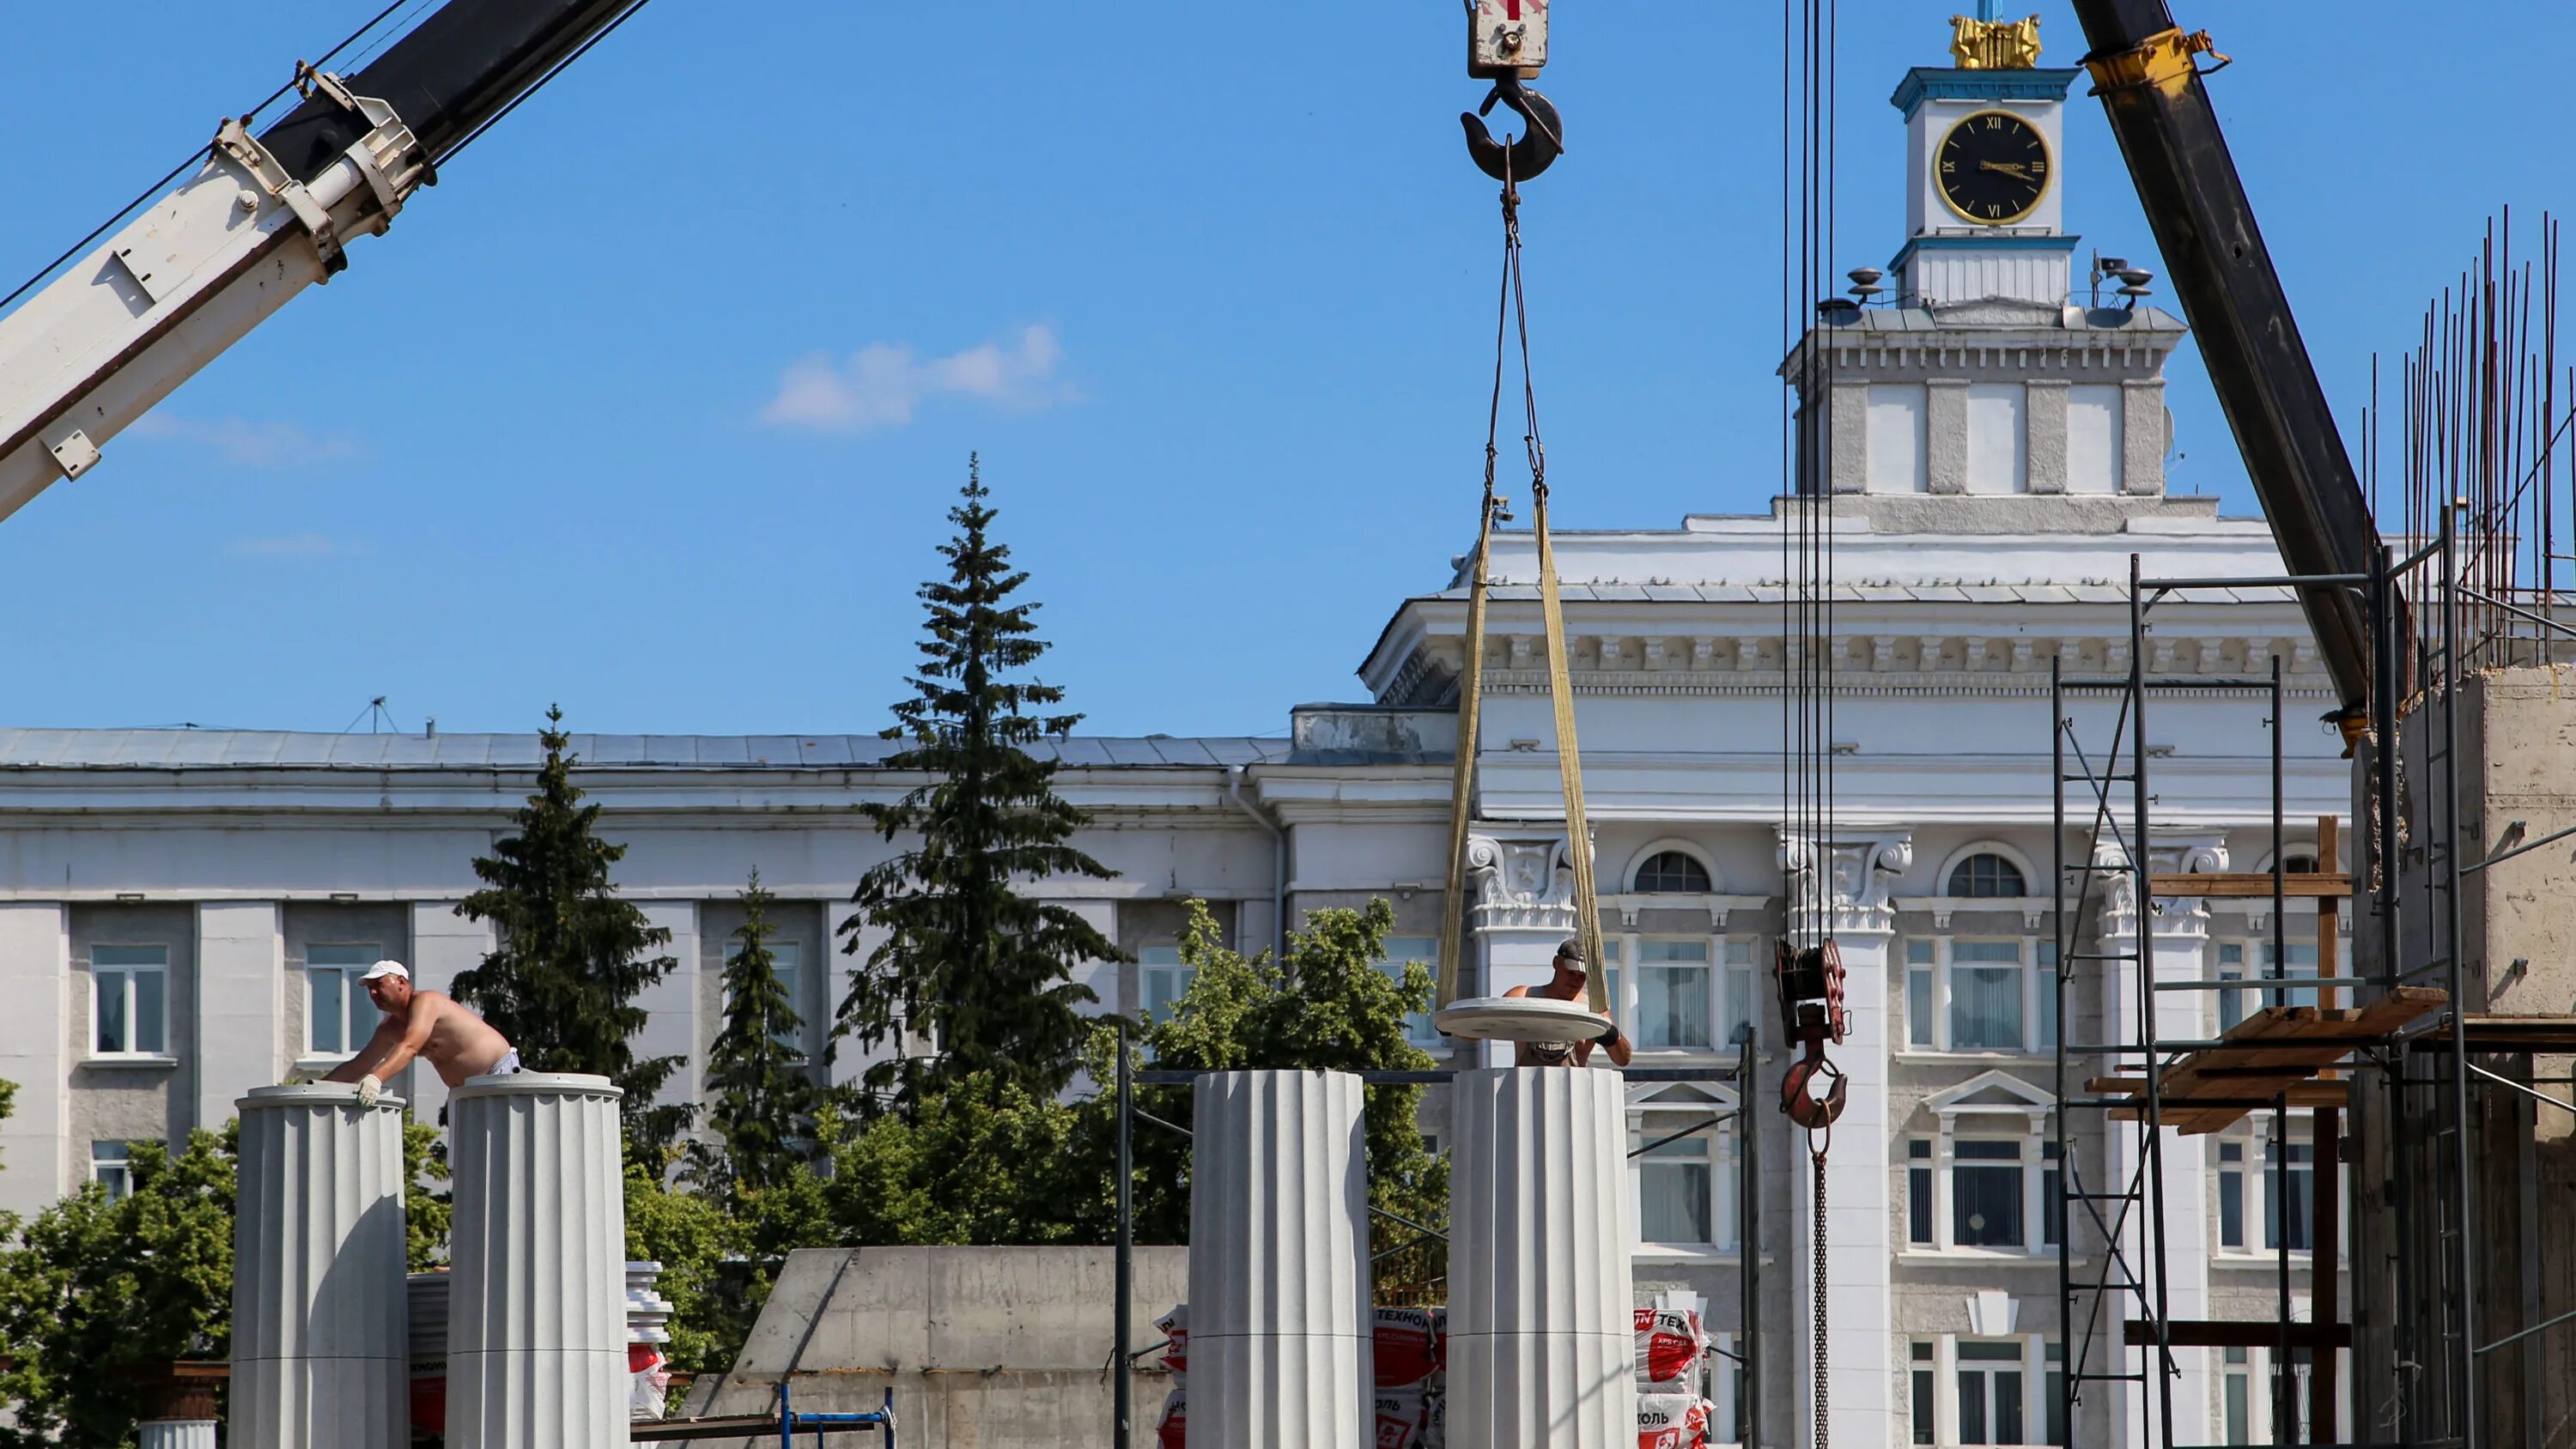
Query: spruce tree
{"points": [[970, 980], [573, 955], [760, 1097]]}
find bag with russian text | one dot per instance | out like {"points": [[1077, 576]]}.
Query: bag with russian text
{"points": [[1399, 1419], [1401, 1338], [1672, 1421], [1172, 1431], [1175, 1328], [1670, 1344]]}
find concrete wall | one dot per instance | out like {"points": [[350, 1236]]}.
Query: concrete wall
{"points": [[1000, 1348]]}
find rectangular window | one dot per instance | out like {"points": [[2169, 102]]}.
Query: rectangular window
{"points": [[1924, 1422], [1737, 1024], [1920, 964], [1998, 438], [338, 1017], [1161, 980], [1899, 423], [1986, 1195], [2093, 462], [2052, 1197], [1990, 1393], [1673, 998], [1404, 950], [1611, 979], [1918, 1191], [2302, 963], [1676, 1190], [2044, 992], [2289, 1190], [2231, 1195], [2240, 1397], [2231, 967], [130, 999], [2053, 1359], [109, 1168], [1986, 996], [787, 963]]}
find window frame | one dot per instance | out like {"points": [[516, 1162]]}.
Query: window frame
{"points": [[2249, 1174], [1654, 1117], [1730, 966], [130, 974], [1418, 1030], [1935, 1371], [351, 994], [119, 1165], [1146, 969], [1956, 1118], [1929, 991], [1655, 856], [1967, 864]]}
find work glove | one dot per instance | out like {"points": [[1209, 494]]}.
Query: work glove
{"points": [[1609, 1035], [369, 1089]]}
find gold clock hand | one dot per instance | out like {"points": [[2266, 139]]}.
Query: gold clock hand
{"points": [[2010, 168]]}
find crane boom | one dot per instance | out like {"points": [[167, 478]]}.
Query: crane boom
{"points": [[2146, 72], [263, 219]]}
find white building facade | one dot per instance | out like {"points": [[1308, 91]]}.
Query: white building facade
{"points": [[182, 913]]}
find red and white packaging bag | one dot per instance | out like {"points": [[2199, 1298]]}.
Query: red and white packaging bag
{"points": [[1435, 1420], [1670, 1344], [1401, 1340], [1672, 1421], [1440, 1347], [1399, 1419], [1172, 1431], [1175, 1326]]}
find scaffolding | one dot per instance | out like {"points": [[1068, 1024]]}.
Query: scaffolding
{"points": [[2401, 1059]]}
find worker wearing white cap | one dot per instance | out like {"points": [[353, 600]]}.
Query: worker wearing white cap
{"points": [[1568, 984], [428, 1024]]}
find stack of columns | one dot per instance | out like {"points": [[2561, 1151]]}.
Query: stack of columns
{"points": [[1279, 1271], [1541, 1319], [536, 1330], [319, 1353]]}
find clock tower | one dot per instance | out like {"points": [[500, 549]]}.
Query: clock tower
{"points": [[1985, 194]]}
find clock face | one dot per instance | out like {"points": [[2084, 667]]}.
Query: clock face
{"points": [[1992, 168]]}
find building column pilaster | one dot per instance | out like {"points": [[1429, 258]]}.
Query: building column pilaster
{"points": [[36, 1052], [241, 1004]]}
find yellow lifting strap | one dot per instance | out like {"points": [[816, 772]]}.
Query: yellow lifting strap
{"points": [[1560, 689]]}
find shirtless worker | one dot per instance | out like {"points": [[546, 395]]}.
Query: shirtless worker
{"points": [[1568, 985], [427, 1024]]}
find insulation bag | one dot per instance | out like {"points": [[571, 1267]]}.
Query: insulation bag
{"points": [[1670, 1345], [1672, 1421], [1175, 1327], [1401, 1338], [1172, 1431], [1399, 1419]]}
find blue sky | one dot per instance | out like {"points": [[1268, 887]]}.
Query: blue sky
{"points": [[654, 406]]}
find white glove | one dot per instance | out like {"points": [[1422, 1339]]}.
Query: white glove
{"points": [[369, 1089]]}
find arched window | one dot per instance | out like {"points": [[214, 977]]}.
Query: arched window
{"points": [[2299, 862], [1671, 872], [1983, 877]]}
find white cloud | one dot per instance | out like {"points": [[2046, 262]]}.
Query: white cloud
{"points": [[256, 445], [298, 545], [881, 384]]}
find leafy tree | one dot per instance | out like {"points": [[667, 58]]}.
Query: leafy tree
{"points": [[92, 1287], [427, 1212], [983, 1162], [762, 1095], [695, 1242], [573, 955], [1330, 1007], [969, 969]]}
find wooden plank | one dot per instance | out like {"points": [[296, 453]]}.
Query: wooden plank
{"points": [[2236, 1333], [2247, 884]]}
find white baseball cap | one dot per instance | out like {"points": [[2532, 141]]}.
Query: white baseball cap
{"points": [[387, 968]]}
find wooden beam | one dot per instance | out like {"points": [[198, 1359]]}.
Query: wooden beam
{"points": [[2248, 884], [2238, 1333]]}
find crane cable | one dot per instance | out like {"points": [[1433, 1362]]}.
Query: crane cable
{"points": [[1512, 316]]}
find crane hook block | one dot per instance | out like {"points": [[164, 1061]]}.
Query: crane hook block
{"points": [[1536, 149], [1506, 37]]}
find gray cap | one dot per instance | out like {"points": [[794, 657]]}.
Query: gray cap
{"points": [[1570, 949]]}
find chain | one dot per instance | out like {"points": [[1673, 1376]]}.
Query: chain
{"points": [[1816, 1150]]}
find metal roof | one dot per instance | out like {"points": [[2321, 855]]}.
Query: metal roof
{"points": [[1925, 592], [186, 749]]}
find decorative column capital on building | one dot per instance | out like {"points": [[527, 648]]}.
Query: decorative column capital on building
{"points": [[1523, 880], [1861, 866], [2177, 917]]}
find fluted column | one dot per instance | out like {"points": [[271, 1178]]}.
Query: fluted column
{"points": [[1279, 1274], [319, 1353], [1542, 1319], [178, 1434], [536, 1329]]}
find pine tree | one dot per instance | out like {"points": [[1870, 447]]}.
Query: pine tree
{"points": [[761, 1100], [971, 979], [573, 955]]}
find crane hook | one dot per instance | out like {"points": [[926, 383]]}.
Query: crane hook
{"points": [[1534, 152]]}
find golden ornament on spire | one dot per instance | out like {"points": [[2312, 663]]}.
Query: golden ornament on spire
{"points": [[1994, 44]]}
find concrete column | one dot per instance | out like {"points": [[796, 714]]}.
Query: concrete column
{"points": [[536, 1328], [443, 946], [320, 1359], [178, 1434], [1279, 1272], [2143, 435], [2044, 428], [1542, 1317], [671, 1030], [36, 1052], [1859, 1215], [1945, 434], [241, 1003], [1848, 435]]}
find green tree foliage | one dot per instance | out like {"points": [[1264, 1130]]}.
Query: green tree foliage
{"points": [[94, 1287], [982, 1162], [427, 1211], [573, 955], [971, 979], [699, 1248], [1329, 1007], [761, 1094]]}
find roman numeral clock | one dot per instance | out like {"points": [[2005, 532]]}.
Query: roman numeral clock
{"points": [[1992, 168], [1984, 200]]}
